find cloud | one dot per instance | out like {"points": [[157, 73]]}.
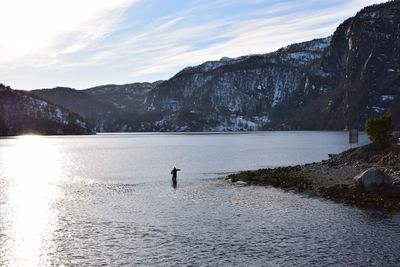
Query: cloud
{"points": [[162, 51], [41, 30]]}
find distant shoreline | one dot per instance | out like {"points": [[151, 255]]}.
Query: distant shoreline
{"points": [[333, 178], [47, 135], [171, 133]]}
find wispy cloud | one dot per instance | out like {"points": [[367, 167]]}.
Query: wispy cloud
{"points": [[43, 29], [91, 42]]}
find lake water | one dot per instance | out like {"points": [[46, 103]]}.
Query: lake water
{"points": [[108, 200]]}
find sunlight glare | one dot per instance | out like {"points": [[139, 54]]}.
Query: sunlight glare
{"points": [[32, 168]]}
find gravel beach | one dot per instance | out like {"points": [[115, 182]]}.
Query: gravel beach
{"points": [[334, 178]]}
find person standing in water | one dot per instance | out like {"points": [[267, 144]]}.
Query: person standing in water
{"points": [[174, 173]]}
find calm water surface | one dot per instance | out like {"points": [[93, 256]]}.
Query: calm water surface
{"points": [[108, 200]]}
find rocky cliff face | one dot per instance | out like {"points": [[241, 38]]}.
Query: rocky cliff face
{"points": [[22, 112], [358, 77]]}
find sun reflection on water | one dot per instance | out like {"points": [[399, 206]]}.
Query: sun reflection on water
{"points": [[31, 169]]}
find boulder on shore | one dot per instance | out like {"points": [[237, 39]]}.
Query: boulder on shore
{"points": [[373, 179]]}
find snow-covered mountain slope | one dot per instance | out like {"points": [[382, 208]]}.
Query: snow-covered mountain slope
{"points": [[216, 95], [22, 112]]}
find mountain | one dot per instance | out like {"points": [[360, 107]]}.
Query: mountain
{"points": [[21, 113], [226, 95], [357, 78], [231, 94], [331, 83], [109, 108]]}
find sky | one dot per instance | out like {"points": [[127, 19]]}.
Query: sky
{"points": [[85, 43]]}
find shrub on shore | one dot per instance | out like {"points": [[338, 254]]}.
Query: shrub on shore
{"points": [[379, 130]]}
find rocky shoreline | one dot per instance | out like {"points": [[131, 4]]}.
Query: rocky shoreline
{"points": [[334, 178]]}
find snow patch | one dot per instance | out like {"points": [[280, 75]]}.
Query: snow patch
{"points": [[387, 97], [378, 109]]}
